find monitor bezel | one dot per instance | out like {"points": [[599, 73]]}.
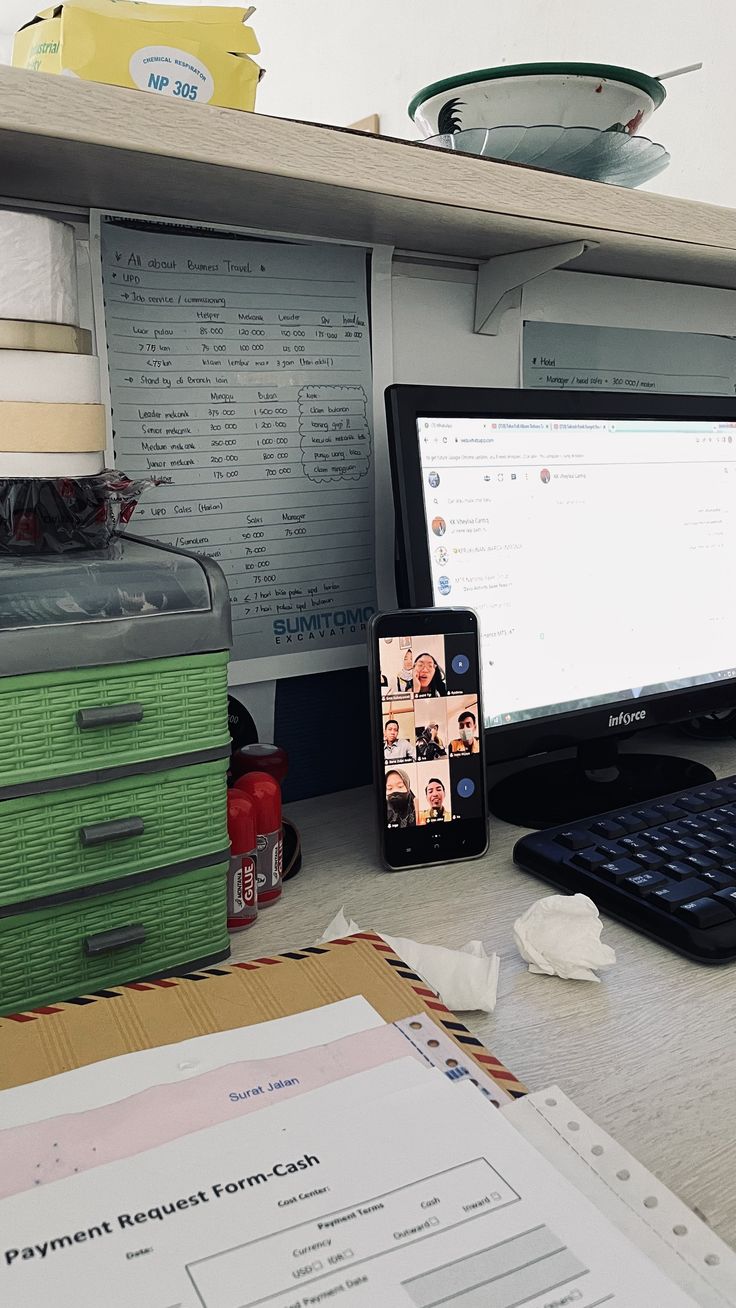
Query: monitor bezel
{"points": [[405, 405]]}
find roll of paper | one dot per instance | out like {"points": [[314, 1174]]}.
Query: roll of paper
{"points": [[51, 428], [44, 466], [39, 265], [36, 377], [52, 337]]}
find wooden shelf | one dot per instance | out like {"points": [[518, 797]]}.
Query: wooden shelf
{"points": [[81, 144]]}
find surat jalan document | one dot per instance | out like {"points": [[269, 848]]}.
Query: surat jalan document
{"points": [[420, 1197]]}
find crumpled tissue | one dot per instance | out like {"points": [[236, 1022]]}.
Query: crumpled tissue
{"points": [[465, 979], [561, 936]]}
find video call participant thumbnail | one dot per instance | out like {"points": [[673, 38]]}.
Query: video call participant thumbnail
{"points": [[396, 749], [466, 742], [436, 810], [405, 678], [396, 672], [429, 678], [401, 808], [430, 744]]}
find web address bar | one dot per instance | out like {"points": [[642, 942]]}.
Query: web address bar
{"points": [[662, 429]]}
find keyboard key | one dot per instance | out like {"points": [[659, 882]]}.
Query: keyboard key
{"points": [[701, 863], [643, 883], [715, 836], [628, 822], [718, 880], [618, 871], [718, 854], [652, 838], [672, 830], [727, 896], [634, 844], [688, 844], [648, 817], [670, 897], [649, 860], [611, 851], [690, 827], [706, 913], [705, 838], [666, 811], [573, 839], [608, 828], [677, 871], [710, 821], [590, 861], [667, 851], [692, 803]]}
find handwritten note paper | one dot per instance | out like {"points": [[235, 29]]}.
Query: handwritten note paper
{"points": [[240, 374], [564, 356]]}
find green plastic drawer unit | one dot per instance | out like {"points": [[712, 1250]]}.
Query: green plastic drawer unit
{"points": [[111, 661], [77, 724], [51, 845], [86, 945]]}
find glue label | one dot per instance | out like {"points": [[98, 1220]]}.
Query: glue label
{"points": [[270, 862], [242, 896]]}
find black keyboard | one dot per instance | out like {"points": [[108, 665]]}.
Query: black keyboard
{"points": [[667, 868]]}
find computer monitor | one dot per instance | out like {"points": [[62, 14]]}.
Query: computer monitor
{"points": [[595, 535]]}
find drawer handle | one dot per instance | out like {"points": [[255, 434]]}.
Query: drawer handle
{"points": [[98, 833], [104, 942], [109, 715]]}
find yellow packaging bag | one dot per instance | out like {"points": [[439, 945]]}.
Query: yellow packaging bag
{"points": [[195, 55]]}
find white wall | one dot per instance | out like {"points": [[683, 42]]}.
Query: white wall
{"points": [[334, 61]]}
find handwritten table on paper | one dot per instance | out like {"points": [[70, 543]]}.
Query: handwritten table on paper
{"points": [[240, 374]]}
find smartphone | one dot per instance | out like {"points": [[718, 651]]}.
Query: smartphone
{"points": [[427, 727]]}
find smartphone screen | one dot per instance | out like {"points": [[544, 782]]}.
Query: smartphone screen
{"points": [[432, 779]]}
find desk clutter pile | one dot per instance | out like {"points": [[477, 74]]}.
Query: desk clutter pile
{"points": [[114, 741], [256, 1156]]}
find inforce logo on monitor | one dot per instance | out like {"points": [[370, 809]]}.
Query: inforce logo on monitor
{"points": [[625, 719]]}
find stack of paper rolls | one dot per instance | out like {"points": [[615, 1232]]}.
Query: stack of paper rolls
{"points": [[52, 422]]}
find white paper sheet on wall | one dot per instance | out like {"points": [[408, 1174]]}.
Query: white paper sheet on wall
{"points": [[565, 356], [240, 374]]}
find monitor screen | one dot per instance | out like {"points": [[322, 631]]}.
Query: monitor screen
{"points": [[597, 552]]}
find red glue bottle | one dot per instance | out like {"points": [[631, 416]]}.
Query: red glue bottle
{"points": [[265, 794], [242, 895]]}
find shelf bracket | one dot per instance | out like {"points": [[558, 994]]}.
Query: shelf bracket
{"points": [[500, 279]]}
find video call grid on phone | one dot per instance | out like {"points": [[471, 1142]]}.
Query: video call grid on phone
{"points": [[430, 720]]}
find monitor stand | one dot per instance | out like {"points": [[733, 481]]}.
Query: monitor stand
{"points": [[598, 779]]}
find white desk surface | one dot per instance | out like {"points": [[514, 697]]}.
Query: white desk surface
{"points": [[648, 1053]]}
